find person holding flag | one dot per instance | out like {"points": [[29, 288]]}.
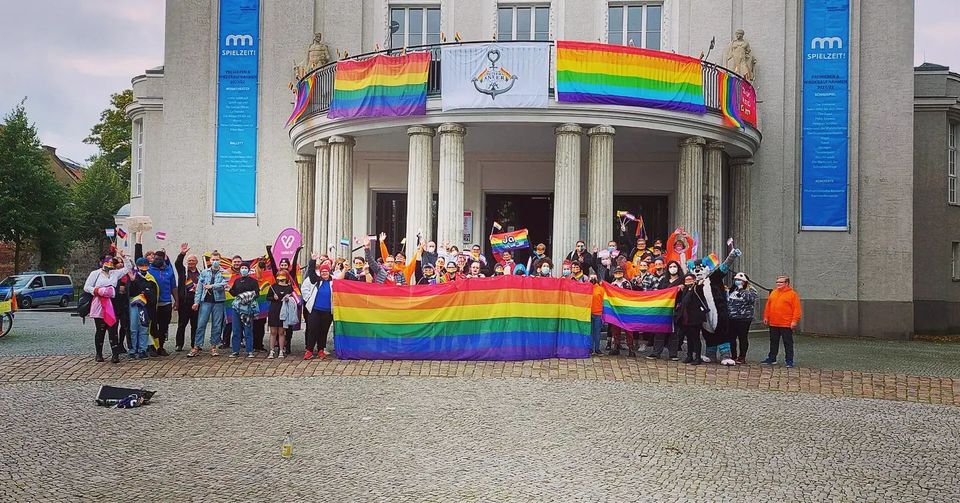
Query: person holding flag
{"points": [[144, 293], [102, 285], [503, 244]]}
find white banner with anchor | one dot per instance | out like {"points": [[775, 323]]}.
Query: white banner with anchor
{"points": [[508, 75]]}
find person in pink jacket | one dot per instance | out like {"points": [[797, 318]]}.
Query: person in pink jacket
{"points": [[102, 285]]}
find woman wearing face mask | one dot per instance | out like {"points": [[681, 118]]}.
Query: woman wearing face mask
{"points": [[546, 268], [242, 326], [565, 269], [102, 285], [674, 275], [689, 317], [452, 273], [741, 302], [283, 313], [317, 292]]}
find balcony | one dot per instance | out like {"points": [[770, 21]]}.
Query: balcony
{"points": [[323, 90]]}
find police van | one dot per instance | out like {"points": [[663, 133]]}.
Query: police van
{"points": [[37, 287]]}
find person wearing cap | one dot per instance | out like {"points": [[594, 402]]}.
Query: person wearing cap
{"points": [[782, 314], [639, 250], [162, 272], [280, 295], [144, 292], [429, 276], [243, 287], [101, 284], [741, 302], [616, 334], [208, 301], [317, 292], [689, 316]]}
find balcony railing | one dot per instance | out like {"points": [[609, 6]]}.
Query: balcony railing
{"points": [[323, 90]]}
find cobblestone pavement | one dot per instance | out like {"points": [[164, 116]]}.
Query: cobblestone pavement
{"points": [[431, 439], [37, 333]]}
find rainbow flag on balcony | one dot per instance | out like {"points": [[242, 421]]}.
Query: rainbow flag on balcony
{"points": [[502, 318], [589, 72], [304, 93], [382, 86], [729, 87]]}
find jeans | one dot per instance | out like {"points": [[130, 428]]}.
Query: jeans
{"points": [[247, 330], [596, 325], [138, 332], [739, 340], [210, 313], [787, 334]]}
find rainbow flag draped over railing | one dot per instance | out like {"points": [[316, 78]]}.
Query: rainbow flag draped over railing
{"points": [[304, 93], [650, 311], [381, 86], [502, 318], [589, 72], [507, 241], [729, 87]]}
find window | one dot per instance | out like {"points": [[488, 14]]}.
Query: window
{"points": [[955, 260], [412, 26], [952, 164], [634, 24], [523, 22], [56, 280], [138, 158], [37, 283]]}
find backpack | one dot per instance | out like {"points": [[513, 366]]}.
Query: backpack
{"points": [[83, 305]]}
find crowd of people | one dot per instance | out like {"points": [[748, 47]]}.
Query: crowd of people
{"points": [[132, 300]]}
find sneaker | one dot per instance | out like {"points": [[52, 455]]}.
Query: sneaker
{"points": [[282, 354], [233, 355], [741, 360], [307, 354], [214, 352], [272, 355], [251, 355], [142, 355], [674, 359], [194, 352], [651, 357], [321, 354], [769, 361], [789, 365]]}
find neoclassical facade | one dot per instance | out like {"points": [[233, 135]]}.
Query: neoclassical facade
{"points": [[560, 171]]}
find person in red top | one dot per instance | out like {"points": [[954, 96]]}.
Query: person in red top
{"points": [[782, 314]]}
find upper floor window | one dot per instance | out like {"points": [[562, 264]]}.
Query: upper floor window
{"points": [[523, 22], [138, 158], [412, 26], [952, 163], [635, 24]]}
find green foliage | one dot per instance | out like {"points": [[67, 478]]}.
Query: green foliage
{"points": [[95, 200], [32, 202], [113, 135]]}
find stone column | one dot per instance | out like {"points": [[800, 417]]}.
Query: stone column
{"points": [[321, 201], [713, 239], [566, 191], [600, 187], [690, 185], [450, 191], [340, 210], [740, 209], [419, 186], [306, 185]]}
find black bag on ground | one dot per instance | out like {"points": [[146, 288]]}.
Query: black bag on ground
{"points": [[109, 396]]}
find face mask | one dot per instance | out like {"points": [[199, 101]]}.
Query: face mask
{"points": [[611, 248], [618, 277], [545, 270], [143, 272], [605, 261], [566, 272], [739, 283], [215, 263], [107, 267], [244, 271], [673, 270], [688, 285]]}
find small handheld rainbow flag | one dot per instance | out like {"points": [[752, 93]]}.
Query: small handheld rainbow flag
{"points": [[712, 260], [507, 241], [109, 232]]}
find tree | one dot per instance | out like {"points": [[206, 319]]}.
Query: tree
{"points": [[95, 200], [112, 135], [31, 200]]}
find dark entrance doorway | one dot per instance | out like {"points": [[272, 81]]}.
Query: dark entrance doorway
{"points": [[653, 209], [519, 211], [391, 217]]}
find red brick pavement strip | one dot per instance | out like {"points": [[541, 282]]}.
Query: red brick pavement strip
{"points": [[837, 383]]}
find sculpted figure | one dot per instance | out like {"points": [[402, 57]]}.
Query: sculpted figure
{"points": [[738, 57]]}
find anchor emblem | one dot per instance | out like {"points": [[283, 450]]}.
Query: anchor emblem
{"points": [[492, 77]]}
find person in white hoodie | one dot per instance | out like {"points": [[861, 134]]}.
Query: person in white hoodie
{"points": [[102, 285], [316, 289]]}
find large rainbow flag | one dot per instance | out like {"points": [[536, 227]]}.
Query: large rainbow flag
{"points": [[650, 311], [589, 72], [502, 318], [381, 86], [729, 87], [304, 93]]}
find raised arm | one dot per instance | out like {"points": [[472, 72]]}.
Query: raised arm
{"points": [[273, 265], [312, 269], [384, 252], [371, 259]]}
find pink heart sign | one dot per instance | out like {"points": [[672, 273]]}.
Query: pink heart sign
{"points": [[286, 244]]}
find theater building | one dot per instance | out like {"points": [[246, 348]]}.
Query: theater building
{"points": [[816, 183]]}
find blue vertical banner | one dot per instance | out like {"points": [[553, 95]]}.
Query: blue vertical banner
{"points": [[237, 89], [824, 169]]}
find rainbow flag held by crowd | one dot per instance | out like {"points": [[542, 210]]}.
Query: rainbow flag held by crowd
{"points": [[304, 93], [502, 318], [650, 311], [729, 86], [381, 86], [516, 240], [589, 72]]}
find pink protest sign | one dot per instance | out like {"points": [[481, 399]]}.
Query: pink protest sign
{"points": [[286, 245]]}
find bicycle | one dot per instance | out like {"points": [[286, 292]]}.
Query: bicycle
{"points": [[7, 308]]}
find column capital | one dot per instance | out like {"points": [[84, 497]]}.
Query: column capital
{"points": [[451, 128], [693, 141], [420, 130], [305, 160], [319, 144], [568, 129], [601, 130], [338, 139], [741, 162], [715, 145]]}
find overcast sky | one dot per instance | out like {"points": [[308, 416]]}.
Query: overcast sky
{"points": [[68, 56]]}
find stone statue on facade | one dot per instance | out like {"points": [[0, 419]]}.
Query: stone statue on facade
{"points": [[738, 56], [318, 54]]}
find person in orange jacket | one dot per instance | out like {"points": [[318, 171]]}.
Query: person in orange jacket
{"points": [[782, 314]]}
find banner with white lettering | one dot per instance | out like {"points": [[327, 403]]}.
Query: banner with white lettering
{"points": [[237, 82], [504, 75], [824, 141]]}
